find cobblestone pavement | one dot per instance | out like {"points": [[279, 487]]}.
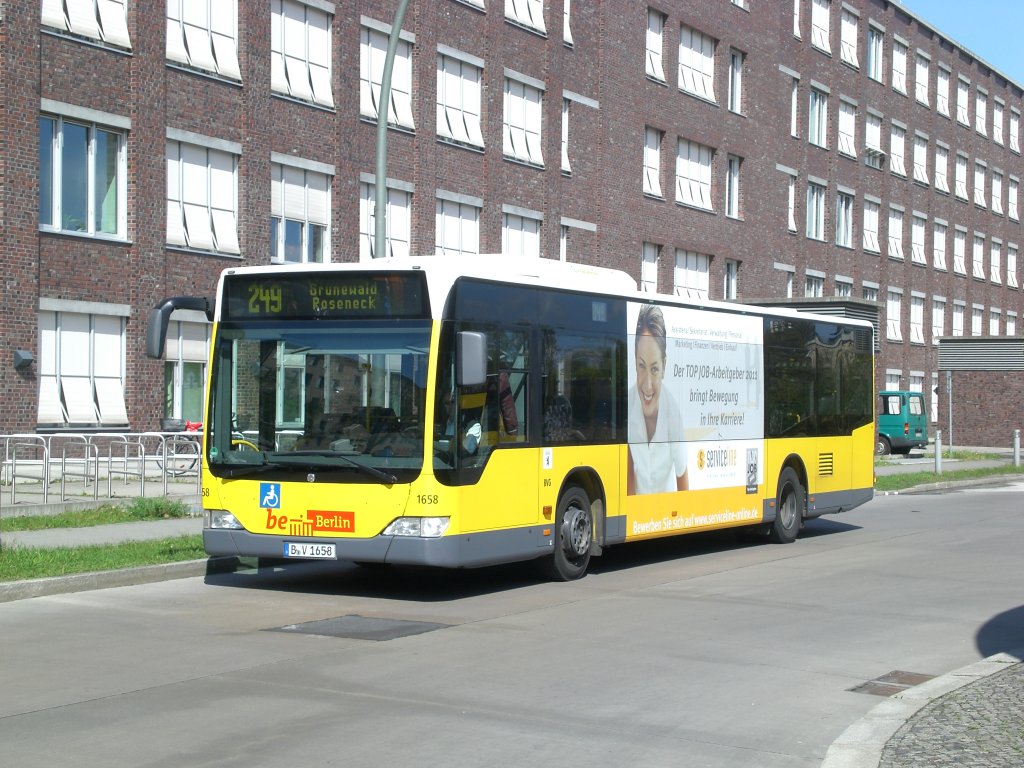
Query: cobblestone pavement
{"points": [[980, 725]]}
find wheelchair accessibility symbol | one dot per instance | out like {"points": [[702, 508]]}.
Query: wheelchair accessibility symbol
{"points": [[270, 495]]}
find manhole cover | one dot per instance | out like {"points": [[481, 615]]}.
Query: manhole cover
{"points": [[361, 628], [891, 683]]}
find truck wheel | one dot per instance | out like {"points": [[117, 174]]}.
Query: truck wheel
{"points": [[882, 446]]}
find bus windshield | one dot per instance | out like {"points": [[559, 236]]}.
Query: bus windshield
{"points": [[319, 397]]}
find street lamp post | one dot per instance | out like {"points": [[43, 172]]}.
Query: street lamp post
{"points": [[380, 190]]}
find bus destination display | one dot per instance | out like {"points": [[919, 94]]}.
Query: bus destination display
{"points": [[339, 296]]}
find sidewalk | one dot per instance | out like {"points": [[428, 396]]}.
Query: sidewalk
{"points": [[969, 718]]}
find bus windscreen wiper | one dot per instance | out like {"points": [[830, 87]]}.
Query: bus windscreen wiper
{"points": [[384, 477]]}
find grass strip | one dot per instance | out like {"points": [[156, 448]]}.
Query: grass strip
{"points": [[20, 563], [901, 481], [107, 514]]}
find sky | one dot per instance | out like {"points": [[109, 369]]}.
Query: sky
{"points": [[991, 29]]}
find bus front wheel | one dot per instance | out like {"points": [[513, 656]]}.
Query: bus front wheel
{"points": [[790, 504], [571, 537]]}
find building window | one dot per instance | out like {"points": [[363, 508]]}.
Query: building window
{"points": [[458, 100], [520, 236], [978, 257], [871, 211], [920, 159], [844, 220], [820, 12], [300, 205], [794, 109], [527, 13], [81, 370], [938, 319], [697, 63], [732, 187], [796, 18], [874, 156], [791, 204], [960, 179], [942, 91], [895, 233], [844, 288], [993, 321], [652, 162], [204, 34], [958, 319], [897, 142], [397, 222], [963, 93], [876, 51], [187, 347], [869, 292], [899, 67], [692, 274], [814, 286], [1011, 323], [82, 177], [457, 228], [730, 283], [981, 113], [916, 319], [372, 52], [979, 184], [522, 122], [693, 174], [977, 316], [1011, 199], [997, 121], [736, 81], [921, 78], [1015, 130], [939, 246], [566, 27], [960, 251], [942, 169], [566, 165], [817, 121], [848, 23], [649, 268], [655, 45], [815, 211], [917, 237], [1011, 266], [104, 20], [893, 319], [996, 262], [997, 192], [202, 197], [300, 54], [847, 128]]}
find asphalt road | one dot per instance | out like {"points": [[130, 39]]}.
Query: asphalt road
{"points": [[704, 651]]}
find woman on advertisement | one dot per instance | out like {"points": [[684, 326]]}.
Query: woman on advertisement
{"points": [[657, 456]]}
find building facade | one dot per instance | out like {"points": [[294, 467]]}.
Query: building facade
{"points": [[741, 149]]}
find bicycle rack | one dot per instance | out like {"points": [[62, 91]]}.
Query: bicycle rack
{"points": [[22, 444], [183, 446], [89, 460], [127, 461]]}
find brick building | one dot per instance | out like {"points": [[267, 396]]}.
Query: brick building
{"points": [[739, 149]]}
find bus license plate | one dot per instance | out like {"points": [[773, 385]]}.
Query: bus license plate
{"points": [[311, 551]]}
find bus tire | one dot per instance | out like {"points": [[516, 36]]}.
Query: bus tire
{"points": [[571, 537], [790, 505]]}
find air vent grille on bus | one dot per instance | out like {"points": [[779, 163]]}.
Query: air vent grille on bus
{"points": [[826, 464]]}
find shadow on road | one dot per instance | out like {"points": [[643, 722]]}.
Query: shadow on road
{"points": [[1003, 633]]}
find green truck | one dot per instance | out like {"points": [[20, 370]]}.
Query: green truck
{"points": [[902, 422]]}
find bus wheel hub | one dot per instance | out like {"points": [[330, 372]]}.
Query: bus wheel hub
{"points": [[576, 531]]}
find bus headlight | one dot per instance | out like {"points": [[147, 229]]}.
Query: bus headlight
{"points": [[421, 527], [220, 518]]}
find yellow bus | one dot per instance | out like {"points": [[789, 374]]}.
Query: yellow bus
{"points": [[466, 412]]}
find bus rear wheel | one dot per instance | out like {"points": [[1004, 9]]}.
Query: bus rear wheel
{"points": [[790, 505], [571, 537]]}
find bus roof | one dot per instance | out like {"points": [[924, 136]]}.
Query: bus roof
{"points": [[443, 270]]}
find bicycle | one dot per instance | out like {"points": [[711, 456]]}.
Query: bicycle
{"points": [[185, 446]]}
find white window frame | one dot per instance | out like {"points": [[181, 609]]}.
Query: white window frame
{"points": [[61, 117], [921, 67], [820, 25], [893, 314], [373, 46], [995, 265], [897, 149], [921, 159], [697, 63], [691, 274], [978, 256], [960, 178], [1011, 265], [730, 280], [958, 317], [521, 233], [997, 120], [104, 20], [733, 165], [817, 118], [899, 66], [942, 91], [963, 95], [980, 198], [814, 284], [960, 251], [300, 201], [848, 27], [977, 319], [397, 220], [997, 192], [815, 219], [876, 54], [847, 128], [872, 212], [844, 219], [1011, 323], [652, 162], [300, 53], [202, 192], [1014, 130], [649, 267], [457, 225], [894, 233], [459, 94], [655, 45], [526, 13], [204, 34], [940, 232], [981, 112], [994, 320], [522, 119], [917, 318], [918, 233], [938, 318], [693, 174], [1012, 188], [942, 168], [735, 95]]}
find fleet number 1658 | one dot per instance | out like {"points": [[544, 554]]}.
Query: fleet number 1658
{"points": [[426, 498]]}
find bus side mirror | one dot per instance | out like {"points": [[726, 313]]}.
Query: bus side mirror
{"points": [[160, 318], [472, 359]]}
